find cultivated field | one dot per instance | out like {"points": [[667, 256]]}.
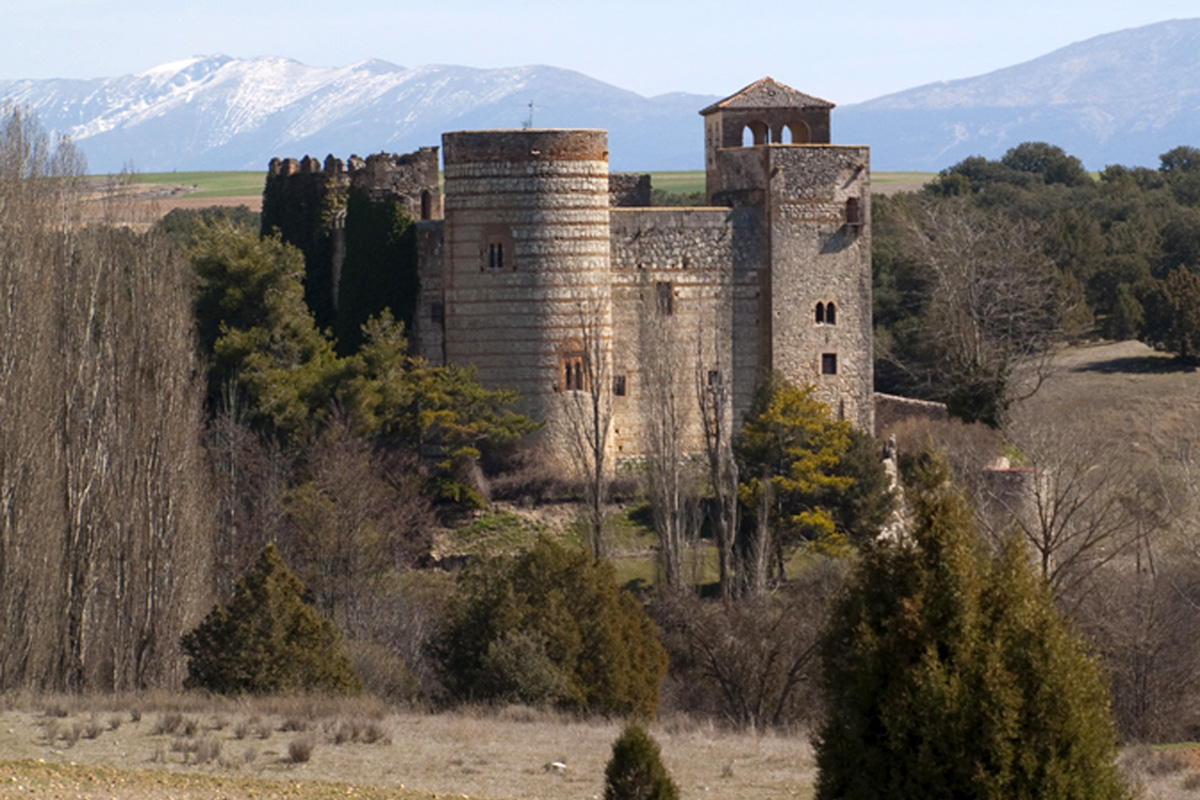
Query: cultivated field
{"points": [[163, 191]]}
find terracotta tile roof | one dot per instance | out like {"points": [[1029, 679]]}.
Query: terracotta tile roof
{"points": [[768, 93]]}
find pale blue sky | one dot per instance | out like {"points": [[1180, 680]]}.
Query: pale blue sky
{"points": [[843, 51]]}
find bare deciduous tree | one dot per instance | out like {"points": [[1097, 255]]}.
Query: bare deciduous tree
{"points": [[994, 307], [1073, 503], [714, 398], [588, 408], [671, 470], [102, 481]]}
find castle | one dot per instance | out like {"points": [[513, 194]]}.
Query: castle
{"points": [[556, 278]]}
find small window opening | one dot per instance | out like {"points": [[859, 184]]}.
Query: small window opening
{"points": [[829, 363], [426, 205], [573, 377], [619, 385], [714, 377], [830, 313], [820, 315], [500, 256], [853, 213], [665, 298]]}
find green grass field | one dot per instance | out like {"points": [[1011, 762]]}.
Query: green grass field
{"points": [[212, 184], [902, 177], [250, 184]]}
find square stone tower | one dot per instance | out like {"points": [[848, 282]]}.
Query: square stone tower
{"points": [[767, 148]]}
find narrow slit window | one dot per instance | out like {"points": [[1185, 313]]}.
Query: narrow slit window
{"points": [[819, 317], [619, 385], [830, 313], [664, 298]]}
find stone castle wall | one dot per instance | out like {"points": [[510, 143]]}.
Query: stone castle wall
{"points": [[820, 258], [526, 249]]}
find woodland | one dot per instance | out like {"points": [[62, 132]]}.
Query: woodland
{"points": [[202, 486]]}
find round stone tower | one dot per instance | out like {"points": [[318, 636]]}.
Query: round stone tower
{"points": [[527, 288]]}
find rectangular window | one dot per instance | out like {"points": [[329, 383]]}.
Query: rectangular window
{"points": [[829, 363], [619, 385], [664, 298], [714, 377], [853, 213]]}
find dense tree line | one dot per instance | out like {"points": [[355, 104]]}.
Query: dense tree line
{"points": [[981, 275]]}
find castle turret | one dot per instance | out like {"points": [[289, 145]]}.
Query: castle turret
{"points": [[526, 277]]}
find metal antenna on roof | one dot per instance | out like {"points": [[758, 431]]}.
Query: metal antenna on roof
{"points": [[527, 124]]}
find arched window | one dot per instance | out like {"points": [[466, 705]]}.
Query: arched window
{"points": [[578, 376], [830, 313], [755, 133], [820, 315], [500, 256], [796, 132], [426, 205]]}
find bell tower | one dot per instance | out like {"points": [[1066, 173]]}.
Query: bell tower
{"points": [[765, 112]]}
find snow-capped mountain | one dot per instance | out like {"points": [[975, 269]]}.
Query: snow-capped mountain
{"points": [[1120, 98], [1123, 97], [217, 112]]}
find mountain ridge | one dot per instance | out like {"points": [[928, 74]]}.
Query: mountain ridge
{"points": [[1121, 97], [219, 112]]}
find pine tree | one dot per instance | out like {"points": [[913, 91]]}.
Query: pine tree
{"points": [[636, 771], [268, 640], [951, 674]]}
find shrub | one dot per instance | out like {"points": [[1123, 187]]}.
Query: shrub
{"points": [[268, 640], [950, 673], [636, 771], [552, 626], [300, 750]]}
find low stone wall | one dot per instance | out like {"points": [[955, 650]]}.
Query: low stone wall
{"points": [[891, 409]]}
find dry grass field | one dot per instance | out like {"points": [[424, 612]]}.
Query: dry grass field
{"points": [[189, 747], [1122, 390]]}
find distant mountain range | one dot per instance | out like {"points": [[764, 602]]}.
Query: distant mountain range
{"points": [[1120, 98], [1123, 97]]}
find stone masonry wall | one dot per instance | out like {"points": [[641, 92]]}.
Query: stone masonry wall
{"points": [[673, 304], [526, 250], [819, 256]]}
